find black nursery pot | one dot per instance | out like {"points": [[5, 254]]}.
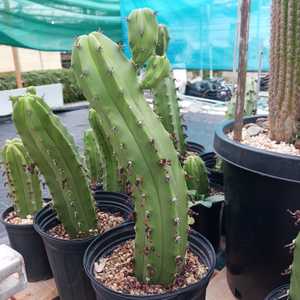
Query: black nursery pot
{"points": [[25, 240], [280, 293], [195, 147], [208, 222], [105, 244], [260, 187], [65, 256]]}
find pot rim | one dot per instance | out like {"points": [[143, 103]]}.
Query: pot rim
{"points": [[254, 159], [7, 224], [207, 276]]}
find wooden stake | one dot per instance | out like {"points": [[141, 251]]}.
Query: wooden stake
{"points": [[242, 71], [19, 81]]}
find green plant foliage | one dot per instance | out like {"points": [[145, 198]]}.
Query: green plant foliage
{"points": [[294, 293], [71, 91]]}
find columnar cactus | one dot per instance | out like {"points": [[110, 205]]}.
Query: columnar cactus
{"points": [[284, 100], [22, 179], [294, 293], [111, 178], [196, 175], [144, 151], [57, 159], [93, 157], [163, 40], [142, 34]]}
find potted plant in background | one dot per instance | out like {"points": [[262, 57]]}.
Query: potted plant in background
{"points": [[25, 192], [154, 174], [261, 173], [69, 225]]}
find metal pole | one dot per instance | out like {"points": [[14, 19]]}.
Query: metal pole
{"points": [[16, 58], [242, 71]]}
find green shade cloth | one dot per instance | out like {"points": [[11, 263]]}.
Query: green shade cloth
{"points": [[53, 25]]}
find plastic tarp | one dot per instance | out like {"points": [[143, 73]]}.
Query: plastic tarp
{"points": [[53, 25], [203, 32]]}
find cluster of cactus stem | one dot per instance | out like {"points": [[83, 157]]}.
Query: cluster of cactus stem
{"points": [[93, 158], [22, 179], [140, 144], [196, 175], [284, 100], [53, 150], [112, 177]]}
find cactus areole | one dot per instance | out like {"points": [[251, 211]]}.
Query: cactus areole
{"points": [[144, 151], [284, 99], [52, 149], [22, 179]]}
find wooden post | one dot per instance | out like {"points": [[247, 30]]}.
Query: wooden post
{"points": [[19, 81], [242, 71]]}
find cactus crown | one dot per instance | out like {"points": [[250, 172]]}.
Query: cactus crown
{"points": [[22, 179], [196, 175], [144, 152], [284, 106], [53, 150], [93, 157]]}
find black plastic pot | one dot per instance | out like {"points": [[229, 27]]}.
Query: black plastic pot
{"points": [[215, 176], [65, 256], [280, 293], [260, 187], [104, 245], [195, 147], [208, 222], [25, 240]]}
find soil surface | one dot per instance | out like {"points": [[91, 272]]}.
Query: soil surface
{"points": [[117, 273], [12, 218], [106, 221]]}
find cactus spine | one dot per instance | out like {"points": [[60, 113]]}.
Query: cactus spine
{"points": [[144, 151], [196, 175], [163, 40], [284, 100], [294, 293], [22, 179], [111, 178], [56, 157], [93, 157], [142, 34]]}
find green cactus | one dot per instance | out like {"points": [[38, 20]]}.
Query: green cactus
{"points": [[22, 179], [167, 108], [144, 151], [58, 160], [142, 34], [93, 157], [294, 293], [284, 112], [158, 67], [163, 40], [196, 175], [112, 181]]}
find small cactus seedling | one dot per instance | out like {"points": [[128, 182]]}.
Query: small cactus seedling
{"points": [[22, 179], [294, 293], [111, 178], [196, 175], [144, 151], [52, 149], [142, 34], [158, 67], [93, 157], [163, 40]]}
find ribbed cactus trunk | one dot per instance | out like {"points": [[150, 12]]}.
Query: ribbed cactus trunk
{"points": [[144, 151], [93, 157], [22, 179], [112, 177], [294, 293], [52, 149], [284, 100]]}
